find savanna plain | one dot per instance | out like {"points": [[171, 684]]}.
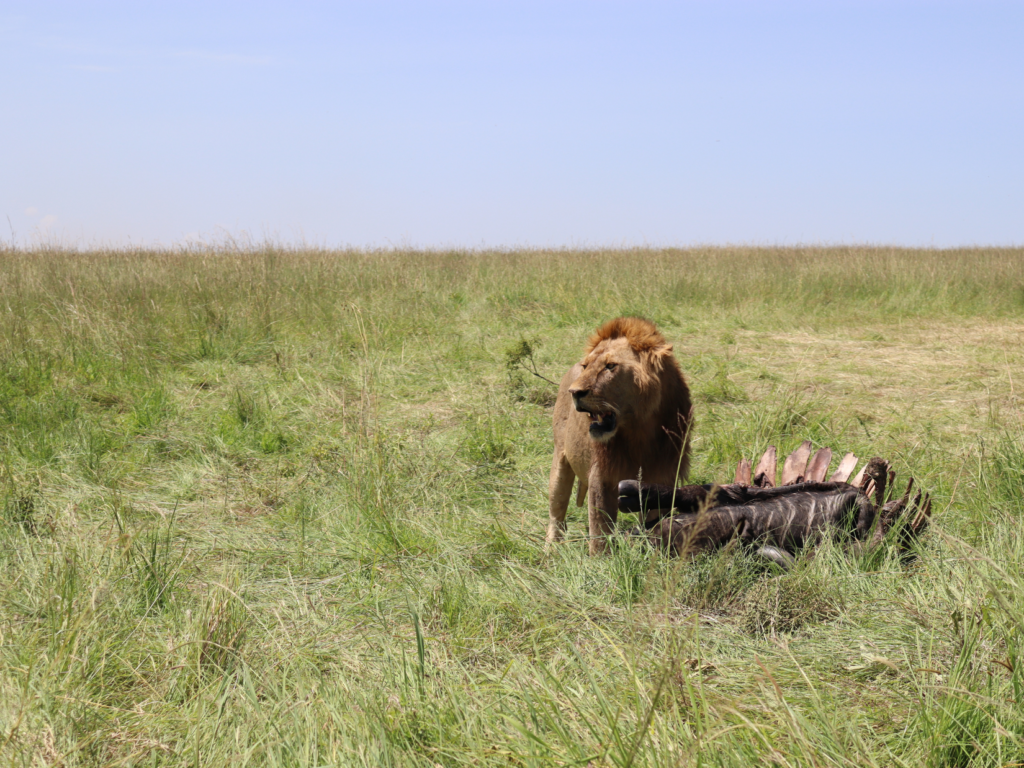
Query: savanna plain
{"points": [[286, 507]]}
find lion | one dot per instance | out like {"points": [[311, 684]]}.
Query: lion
{"points": [[622, 412]]}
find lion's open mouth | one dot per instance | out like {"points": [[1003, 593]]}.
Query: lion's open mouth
{"points": [[602, 424]]}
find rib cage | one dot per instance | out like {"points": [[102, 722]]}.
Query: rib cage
{"points": [[789, 516]]}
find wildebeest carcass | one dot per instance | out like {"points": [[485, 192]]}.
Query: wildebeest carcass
{"points": [[781, 520]]}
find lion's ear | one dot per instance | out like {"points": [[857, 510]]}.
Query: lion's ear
{"points": [[654, 358], [659, 353]]}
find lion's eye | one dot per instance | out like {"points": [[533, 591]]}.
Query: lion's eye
{"points": [[610, 366], [583, 365]]}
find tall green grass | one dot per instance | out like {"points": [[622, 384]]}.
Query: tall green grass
{"points": [[278, 507]]}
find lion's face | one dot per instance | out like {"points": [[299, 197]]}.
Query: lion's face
{"points": [[609, 388]]}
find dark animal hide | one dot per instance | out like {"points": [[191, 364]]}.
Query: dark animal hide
{"points": [[779, 521]]}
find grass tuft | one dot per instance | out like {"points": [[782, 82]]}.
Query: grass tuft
{"points": [[785, 604]]}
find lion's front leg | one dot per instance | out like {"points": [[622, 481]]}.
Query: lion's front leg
{"points": [[603, 511], [559, 493]]}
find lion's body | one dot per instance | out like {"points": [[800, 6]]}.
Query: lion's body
{"points": [[622, 412]]}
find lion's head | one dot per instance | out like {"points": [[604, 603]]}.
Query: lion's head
{"points": [[619, 384]]}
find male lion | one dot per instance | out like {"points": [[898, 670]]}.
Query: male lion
{"points": [[622, 412]]}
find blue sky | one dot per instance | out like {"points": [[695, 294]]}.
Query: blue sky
{"points": [[513, 123]]}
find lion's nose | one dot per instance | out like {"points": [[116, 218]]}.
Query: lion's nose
{"points": [[578, 393]]}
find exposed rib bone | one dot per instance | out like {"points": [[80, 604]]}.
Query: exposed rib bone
{"points": [[764, 475], [859, 478], [796, 465], [818, 466], [845, 469]]}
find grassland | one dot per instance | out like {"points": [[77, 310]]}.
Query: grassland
{"points": [[286, 508]]}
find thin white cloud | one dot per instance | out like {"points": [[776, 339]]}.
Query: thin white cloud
{"points": [[226, 58], [93, 68], [89, 48], [48, 220], [57, 43], [31, 211]]}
